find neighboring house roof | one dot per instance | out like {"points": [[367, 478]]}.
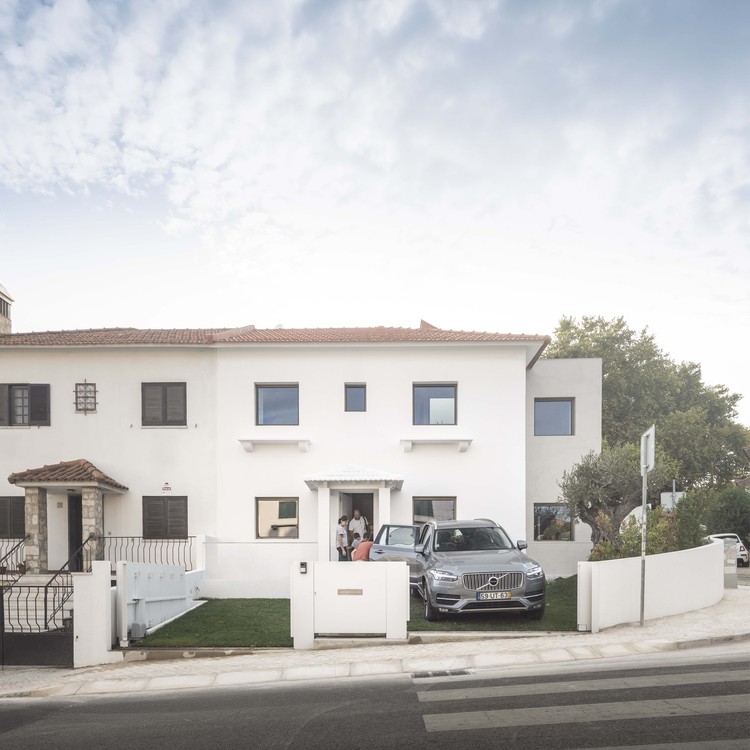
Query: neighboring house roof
{"points": [[78, 472], [111, 336]]}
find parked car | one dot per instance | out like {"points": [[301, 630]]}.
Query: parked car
{"points": [[742, 554], [463, 567]]}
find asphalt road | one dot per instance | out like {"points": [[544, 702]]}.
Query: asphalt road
{"points": [[685, 703]]}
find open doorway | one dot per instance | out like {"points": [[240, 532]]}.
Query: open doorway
{"points": [[75, 532], [362, 501]]}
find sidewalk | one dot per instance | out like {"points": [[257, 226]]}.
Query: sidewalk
{"points": [[727, 621]]}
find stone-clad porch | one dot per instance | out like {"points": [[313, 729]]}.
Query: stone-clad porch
{"points": [[80, 477]]}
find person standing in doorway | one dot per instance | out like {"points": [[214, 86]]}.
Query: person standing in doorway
{"points": [[358, 525], [342, 539]]}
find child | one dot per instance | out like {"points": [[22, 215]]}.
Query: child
{"points": [[356, 539]]}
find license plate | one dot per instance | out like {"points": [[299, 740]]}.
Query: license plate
{"points": [[483, 596]]}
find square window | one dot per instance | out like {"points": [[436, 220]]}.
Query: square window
{"points": [[165, 517], [276, 518], [163, 404], [355, 397], [552, 523], [434, 509], [553, 416], [435, 404], [23, 404], [277, 404], [12, 522], [85, 397]]}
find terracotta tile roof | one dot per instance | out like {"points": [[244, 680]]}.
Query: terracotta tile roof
{"points": [[112, 336], [376, 335], [253, 335], [75, 472]]}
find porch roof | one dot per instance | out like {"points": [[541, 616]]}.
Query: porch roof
{"points": [[78, 473], [354, 476]]}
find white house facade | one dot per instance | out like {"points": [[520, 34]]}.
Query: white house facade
{"points": [[250, 443]]}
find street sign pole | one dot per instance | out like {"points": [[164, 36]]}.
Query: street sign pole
{"points": [[647, 463]]}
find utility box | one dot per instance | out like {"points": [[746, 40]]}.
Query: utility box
{"points": [[730, 564], [341, 599]]}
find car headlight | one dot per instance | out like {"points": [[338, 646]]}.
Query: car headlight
{"points": [[535, 571], [443, 575]]}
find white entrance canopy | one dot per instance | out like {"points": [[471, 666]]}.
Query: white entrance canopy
{"points": [[350, 477]]}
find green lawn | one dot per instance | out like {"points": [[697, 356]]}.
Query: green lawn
{"points": [[264, 623]]}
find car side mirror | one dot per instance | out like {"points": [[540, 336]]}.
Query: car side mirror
{"points": [[419, 549], [521, 544]]}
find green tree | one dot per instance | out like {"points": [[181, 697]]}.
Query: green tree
{"points": [[729, 511], [602, 489], [695, 424]]}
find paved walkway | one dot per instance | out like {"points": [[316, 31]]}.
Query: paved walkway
{"points": [[727, 621]]}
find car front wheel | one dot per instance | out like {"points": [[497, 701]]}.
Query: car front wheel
{"points": [[430, 613], [536, 614]]}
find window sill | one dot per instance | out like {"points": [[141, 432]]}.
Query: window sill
{"points": [[462, 444], [164, 427], [249, 445]]}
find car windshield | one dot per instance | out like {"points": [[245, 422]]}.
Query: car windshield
{"points": [[471, 539]]}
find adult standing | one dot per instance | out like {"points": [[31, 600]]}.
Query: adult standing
{"points": [[342, 539], [358, 525]]}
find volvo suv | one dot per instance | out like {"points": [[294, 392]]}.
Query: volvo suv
{"points": [[461, 567]]}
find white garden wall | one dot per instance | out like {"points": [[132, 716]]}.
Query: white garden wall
{"points": [[609, 592]]}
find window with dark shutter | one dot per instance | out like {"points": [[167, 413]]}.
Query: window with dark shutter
{"points": [[163, 404], [165, 517], [23, 404], [12, 523]]}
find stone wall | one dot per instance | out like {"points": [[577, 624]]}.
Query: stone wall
{"points": [[35, 516]]}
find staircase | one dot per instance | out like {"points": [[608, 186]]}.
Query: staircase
{"points": [[24, 605]]}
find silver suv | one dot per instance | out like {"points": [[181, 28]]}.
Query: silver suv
{"points": [[464, 567]]}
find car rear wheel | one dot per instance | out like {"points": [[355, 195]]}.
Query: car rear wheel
{"points": [[430, 613]]}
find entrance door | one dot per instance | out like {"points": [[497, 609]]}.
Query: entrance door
{"points": [[75, 532], [362, 501]]}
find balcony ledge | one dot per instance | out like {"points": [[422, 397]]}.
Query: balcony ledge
{"points": [[462, 444], [249, 444]]}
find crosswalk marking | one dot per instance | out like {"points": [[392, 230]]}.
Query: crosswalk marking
{"points": [[647, 709], [612, 683]]}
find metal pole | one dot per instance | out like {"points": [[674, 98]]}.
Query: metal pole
{"points": [[644, 516]]}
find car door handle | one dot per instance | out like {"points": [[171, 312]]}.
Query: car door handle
{"points": [[378, 551]]}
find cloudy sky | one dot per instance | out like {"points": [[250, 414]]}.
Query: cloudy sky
{"points": [[482, 165]]}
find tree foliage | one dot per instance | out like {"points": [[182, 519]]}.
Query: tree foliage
{"points": [[728, 511], [602, 489], [696, 424]]}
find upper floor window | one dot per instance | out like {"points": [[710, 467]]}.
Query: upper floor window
{"points": [[165, 517], [553, 416], [355, 397], [24, 404], [435, 404], [164, 404], [12, 522], [552, 523], [85, 397], [276, 518], [277, 404]]}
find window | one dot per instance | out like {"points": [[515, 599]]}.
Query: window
{"points": [[552, 523], [24, 404], [355, 397], [435, 404], [277, 404], [12, 522], [163, 404], [276, 518], [85, 397], [553, 416], [165, 517], [434, 509]]}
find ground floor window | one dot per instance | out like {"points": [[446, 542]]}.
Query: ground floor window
{"points": [[434, 509], [165, 517], [276, 517], [12, 524], [552, 523]]}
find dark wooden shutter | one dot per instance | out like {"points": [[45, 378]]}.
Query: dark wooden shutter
{"points": [[154, 518], [151, 403], [175, 396], [4, 405], [39, 404], [17, 521], [177, 521]]}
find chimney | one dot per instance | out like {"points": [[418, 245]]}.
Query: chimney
{"points": [[6, 302]]}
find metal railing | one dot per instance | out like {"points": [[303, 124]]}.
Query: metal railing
{"points": [[59, 588], [154, 551], [12, 555], [26, 608]]}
